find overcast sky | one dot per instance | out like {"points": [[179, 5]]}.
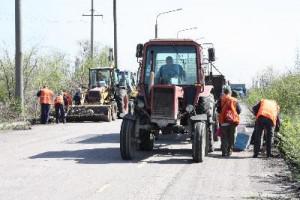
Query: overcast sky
{"points": [[249, 35]]}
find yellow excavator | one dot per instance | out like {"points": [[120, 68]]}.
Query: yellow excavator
{"points": [[97, 103]]}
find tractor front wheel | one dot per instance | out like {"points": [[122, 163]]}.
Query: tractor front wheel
{"points": [[199, 142], [127, 141]]}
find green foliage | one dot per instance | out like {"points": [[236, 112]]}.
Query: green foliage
{"points": [[290, 141], [285, 90]]}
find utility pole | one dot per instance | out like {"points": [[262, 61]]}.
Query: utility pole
{"points": [[115, 34], [92, 15], [19, 93]]}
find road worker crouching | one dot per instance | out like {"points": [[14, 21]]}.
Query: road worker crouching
{"points": [[267, 118]]}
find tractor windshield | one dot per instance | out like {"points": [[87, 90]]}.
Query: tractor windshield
{"points": [[99, 78], [172, 65]]}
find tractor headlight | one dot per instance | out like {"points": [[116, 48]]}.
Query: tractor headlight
{"points": [[140, 103], [189, 108]]}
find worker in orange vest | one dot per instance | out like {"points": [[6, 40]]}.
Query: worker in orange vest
{"points": [[266, 112], [229, 110], [59, 108], [46, 99]]}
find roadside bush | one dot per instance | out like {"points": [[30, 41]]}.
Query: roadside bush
{"points": [[290, 140]]}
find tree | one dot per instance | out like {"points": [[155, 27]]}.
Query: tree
{"points": [[100, 59]]}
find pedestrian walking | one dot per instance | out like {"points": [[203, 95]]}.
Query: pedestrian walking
{"points": [[59, 108], [267, 118], [46, 99], [229, 110]]}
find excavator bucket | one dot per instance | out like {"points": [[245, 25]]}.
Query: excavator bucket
{"points": [[80, 113]]}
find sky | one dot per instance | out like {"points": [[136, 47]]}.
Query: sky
{"points": [[248, 35]]}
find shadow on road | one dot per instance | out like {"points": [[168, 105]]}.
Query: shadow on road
{"points": [[95, 139], [106, 138], [85, 156], [112, 155], [219, 156]]}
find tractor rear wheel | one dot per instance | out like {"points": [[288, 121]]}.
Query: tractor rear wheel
{"points": [[147, 142], [127, 142], [199, 142], [114, 111]]}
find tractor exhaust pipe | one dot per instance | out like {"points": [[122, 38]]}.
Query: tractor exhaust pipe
{"points": [[151, 83]]}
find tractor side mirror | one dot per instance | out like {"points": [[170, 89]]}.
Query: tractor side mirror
{"points": [[139, 50], [110, 55], [211, 54]]}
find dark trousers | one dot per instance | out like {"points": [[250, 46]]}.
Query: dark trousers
{"points": [[45, 111], [263, 123], [227, 139], [59, 113]]}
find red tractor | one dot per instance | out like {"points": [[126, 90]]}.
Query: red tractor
{"points": [[172, 98]]}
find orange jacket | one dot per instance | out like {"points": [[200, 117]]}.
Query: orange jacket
{"points": [[228, 112], [46, 96], [268, 109], [59, 100]]}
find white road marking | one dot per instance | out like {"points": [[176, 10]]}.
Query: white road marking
{"points": [[142, 164], [104, 187]]}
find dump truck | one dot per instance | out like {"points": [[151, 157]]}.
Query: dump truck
{"points": [[98, 101], [170, 88]]}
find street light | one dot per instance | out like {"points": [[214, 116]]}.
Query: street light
{"points": [[162, 13], [187, 29]]}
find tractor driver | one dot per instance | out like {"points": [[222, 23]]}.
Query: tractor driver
{"points": [[101, 79], [171, 73]]}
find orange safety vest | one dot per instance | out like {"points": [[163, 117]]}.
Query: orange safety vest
{"points": [[268, 109], [59, 100], [46, 96], [228, 110]]}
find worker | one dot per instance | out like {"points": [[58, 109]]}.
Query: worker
{"points": [[77, 97], [102, 79], [46, 99], [229, 110], [67, 100], [171, 73], [124, 82], [267, 118], [59, 108]]}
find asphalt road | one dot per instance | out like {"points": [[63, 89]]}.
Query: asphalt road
{"points": [[82, 161]]}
